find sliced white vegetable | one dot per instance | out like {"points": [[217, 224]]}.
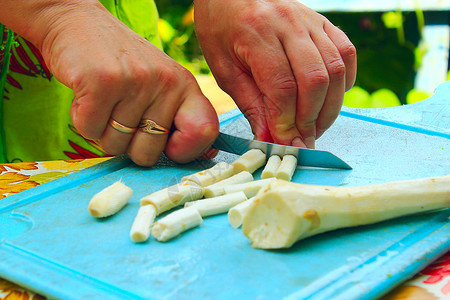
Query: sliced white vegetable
{"points": [[140, 230], [212, 175], [175, 223], [287, 167], [250, 161], [217, 205], [286, 212], [110, 200], [249, 188], [271, 167], [173, 196], [237, 213], [216, 189]]}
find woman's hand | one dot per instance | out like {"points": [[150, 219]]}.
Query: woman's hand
{"points": [[115, 73], [286, 66]]}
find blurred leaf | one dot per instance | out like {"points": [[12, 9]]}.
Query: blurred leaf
{"points": [[419, 52], [416, 96], [188, 17], [357, 97], [384, 98], [382, 61], [390, 67], [392, 19], [166, 31]]}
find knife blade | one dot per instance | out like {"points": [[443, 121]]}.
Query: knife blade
{"points": [[305, 157]]}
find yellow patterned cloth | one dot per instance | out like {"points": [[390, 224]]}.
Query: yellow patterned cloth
{"points": [[431, 283], [15, 178]]}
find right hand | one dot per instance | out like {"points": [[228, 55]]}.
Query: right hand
{"points": [[115, 73]]}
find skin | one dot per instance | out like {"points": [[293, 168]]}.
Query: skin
{"points": [[251, 46], [116, 73], [286, 66]]}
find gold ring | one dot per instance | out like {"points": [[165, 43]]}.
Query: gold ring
{"points": [[122, 128], [150, 126]]}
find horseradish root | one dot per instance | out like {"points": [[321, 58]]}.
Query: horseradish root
{"points": [[285, 212], [237, 213], [217, 205], [212, 175], [287, 167], [271, 167], [110, 200], [173, 196], [250, 161], [175, 223], [140, 230], [249, 188], [217, 189]]}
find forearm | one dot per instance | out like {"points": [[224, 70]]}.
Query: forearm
{"points": [[35, 19]]}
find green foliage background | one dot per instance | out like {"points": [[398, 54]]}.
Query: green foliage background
{"points": [[388, 48]]}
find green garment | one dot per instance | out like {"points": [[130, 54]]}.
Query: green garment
{"points": [[36, 122]]}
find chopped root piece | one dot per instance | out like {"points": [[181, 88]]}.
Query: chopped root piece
{"points": [[250, 161], [249, 188], [173, 196], [217, 205], [287, 167], [271, 167], [140, 231], [237, 213], [216, 189], [110, 200], [212, 175], [175, 223]]}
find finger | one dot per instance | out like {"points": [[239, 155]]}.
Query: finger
{"points": [[146, 148], [92, 107], [235, 81], [209, 154], [273, 76], [347, 51], [312, 81], [336, 88], [197, 127], [250, 101], [127, 113]]}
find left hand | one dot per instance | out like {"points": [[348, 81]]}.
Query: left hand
{"points": [[286, 66]]}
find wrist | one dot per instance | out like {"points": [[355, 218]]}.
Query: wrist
{"points": [[36, 20]]}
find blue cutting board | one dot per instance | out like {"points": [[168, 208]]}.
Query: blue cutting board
{"points": [[50, 244]]}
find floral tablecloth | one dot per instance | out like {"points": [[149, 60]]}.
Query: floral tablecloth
{"points": [[431, 283]]}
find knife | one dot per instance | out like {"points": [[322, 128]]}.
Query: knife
{"points": [[305, 157]]}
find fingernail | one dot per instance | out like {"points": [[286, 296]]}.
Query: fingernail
{"points": [[298, 142], [210, 153], [310, 142]]}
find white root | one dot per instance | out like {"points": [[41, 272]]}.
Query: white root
{"points": [[212, 175], [237, 213], [175, 223], [140, 230], [250, 188], [173, 196], [271, 167], [110, 200], [217, 205], [216, 189], [287, 168], [285, 212], [250, 161]]}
